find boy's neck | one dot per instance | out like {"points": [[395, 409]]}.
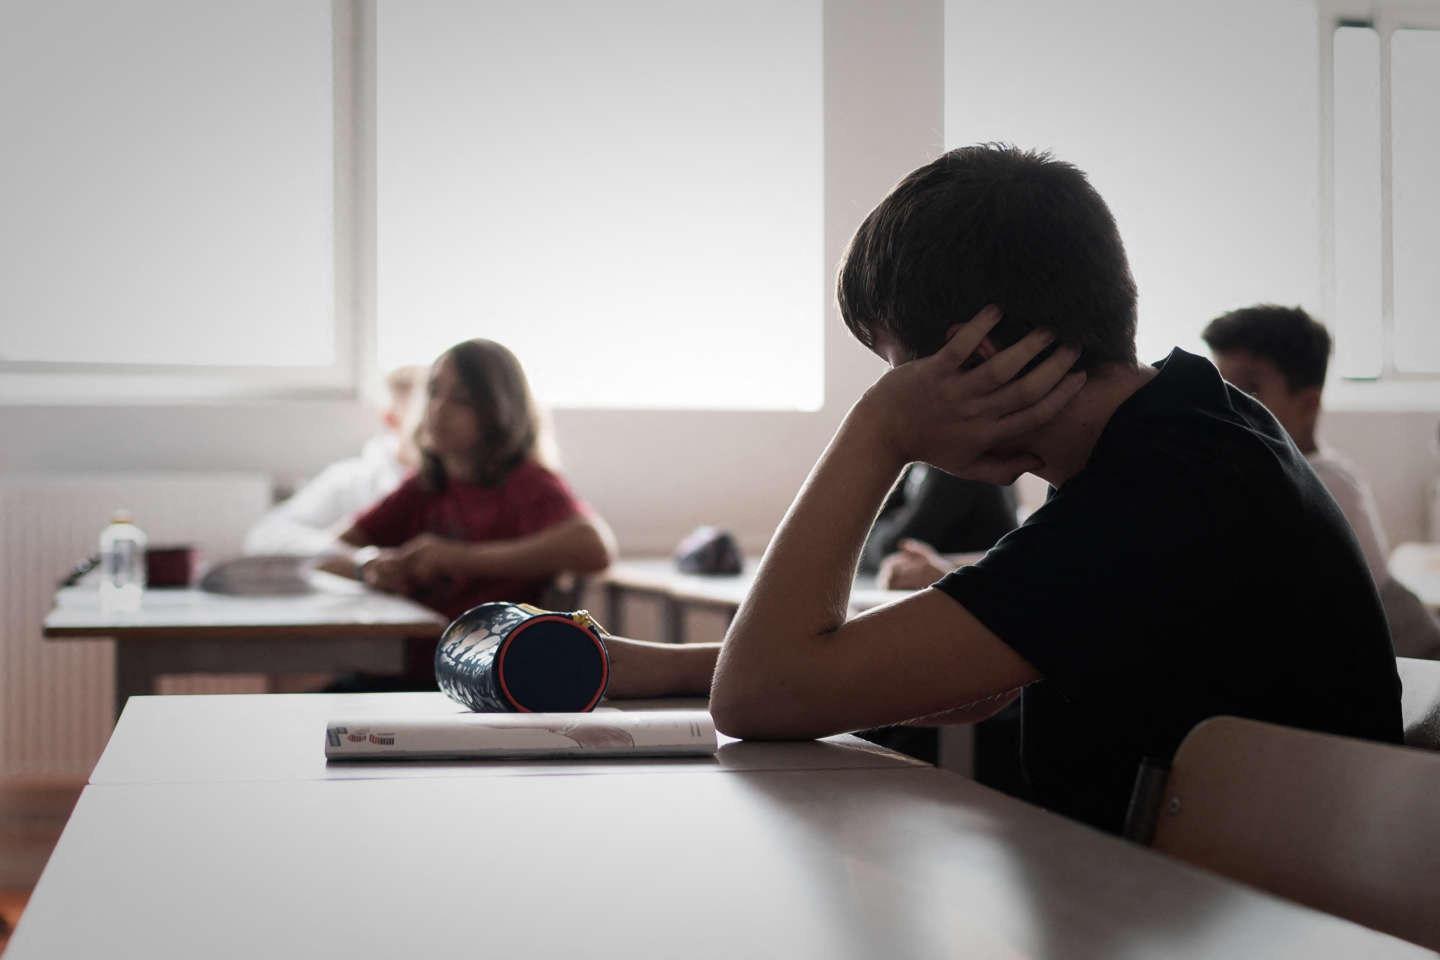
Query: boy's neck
{"points": [[1066, 442]]}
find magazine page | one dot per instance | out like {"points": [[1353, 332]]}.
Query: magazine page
{"points": [[611, 733]]}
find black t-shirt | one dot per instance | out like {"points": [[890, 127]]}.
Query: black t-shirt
{"points": [[1196, 566], [950, 514]]}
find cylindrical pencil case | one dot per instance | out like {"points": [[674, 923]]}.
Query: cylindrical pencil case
{"points": [[515, 657]]}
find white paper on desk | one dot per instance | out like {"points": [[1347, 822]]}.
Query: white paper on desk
{"points": [[644, 733]]}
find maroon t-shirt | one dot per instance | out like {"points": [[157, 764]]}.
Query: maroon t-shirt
{"points": [[529, 500]]}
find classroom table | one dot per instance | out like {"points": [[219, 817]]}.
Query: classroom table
{"points": [[1417, 566], [189, 739], [659, 578], [338, 626], [895, 861]]}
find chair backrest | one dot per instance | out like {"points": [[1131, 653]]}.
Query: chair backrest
{"points": [[1346, 826], [1420, 701]]}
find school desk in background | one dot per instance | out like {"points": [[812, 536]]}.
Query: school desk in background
{"points": [[336, 625]]}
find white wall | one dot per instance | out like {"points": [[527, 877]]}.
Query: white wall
{"points": [[655, 475]]}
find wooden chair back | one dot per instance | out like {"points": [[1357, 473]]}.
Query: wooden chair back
{"points": [[1346, 826]]}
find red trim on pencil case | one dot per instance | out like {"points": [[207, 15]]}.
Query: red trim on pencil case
{"points": [[505, 648]]}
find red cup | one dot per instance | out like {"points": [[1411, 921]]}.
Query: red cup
{"points": [[170, 566]]}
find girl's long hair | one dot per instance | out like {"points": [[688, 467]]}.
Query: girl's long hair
{"points": [[512, 426]]}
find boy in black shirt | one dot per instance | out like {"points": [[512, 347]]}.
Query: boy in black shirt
{"points": [[1187, 564]]}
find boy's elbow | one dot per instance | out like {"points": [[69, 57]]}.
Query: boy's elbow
{"points": [[735, 720], [747, 716]]}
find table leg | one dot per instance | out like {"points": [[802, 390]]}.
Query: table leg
{"points": [[615, 609], [673, 620], [133, 674]]}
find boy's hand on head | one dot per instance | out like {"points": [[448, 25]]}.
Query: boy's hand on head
{"points": [[960, 419]]}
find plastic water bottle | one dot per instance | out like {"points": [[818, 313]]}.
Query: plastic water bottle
{"points": [[122, 565]]}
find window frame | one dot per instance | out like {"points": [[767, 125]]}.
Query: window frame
{"points": [[30, 382], [1391, 386]]}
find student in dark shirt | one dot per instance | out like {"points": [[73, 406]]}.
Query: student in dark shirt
{"points": [[948, 514], [1187, 564]]}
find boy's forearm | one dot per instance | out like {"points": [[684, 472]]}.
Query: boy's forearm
{"points": [[639, 668], [802, 588]]}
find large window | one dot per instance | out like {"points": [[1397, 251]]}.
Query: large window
{"points": [[167, 185], [629, 194], [1384, 140]]}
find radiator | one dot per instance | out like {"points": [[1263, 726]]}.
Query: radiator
{"points": [[57, 697]]}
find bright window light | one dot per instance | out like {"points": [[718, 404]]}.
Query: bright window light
{"points": [[167, 180], [1415, 159], [627, 194], [1356, 144]]}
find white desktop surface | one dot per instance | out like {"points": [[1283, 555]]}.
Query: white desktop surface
{"points": [[335, 606], [660, 575], [180, 739], [816, 864]]}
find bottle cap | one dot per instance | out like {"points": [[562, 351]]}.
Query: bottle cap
{"points": [[121, 516]]}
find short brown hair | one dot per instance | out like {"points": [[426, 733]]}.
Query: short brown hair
{"points": [[987, 224], [1295, 342]]}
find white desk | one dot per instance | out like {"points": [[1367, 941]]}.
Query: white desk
{"points": [[207, 739], [1417, 566], [341, 626], [658, 577], [825, 864]]}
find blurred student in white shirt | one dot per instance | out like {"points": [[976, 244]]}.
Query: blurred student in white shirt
{"points": [[307, 523], [1279, 356]]}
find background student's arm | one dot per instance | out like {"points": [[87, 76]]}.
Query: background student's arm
{"points": [[384, 525], [339, 556], [791, 665], [308, 522], [581, 544], [382, 570], [916, 564]]}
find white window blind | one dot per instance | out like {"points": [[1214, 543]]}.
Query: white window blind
{"points": [[1415, 182], [1357, 202]]}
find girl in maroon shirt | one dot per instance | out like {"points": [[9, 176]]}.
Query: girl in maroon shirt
{"points": [[483, 519]]}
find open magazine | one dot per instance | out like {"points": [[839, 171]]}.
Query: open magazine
{"points": [[609, 733]]}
